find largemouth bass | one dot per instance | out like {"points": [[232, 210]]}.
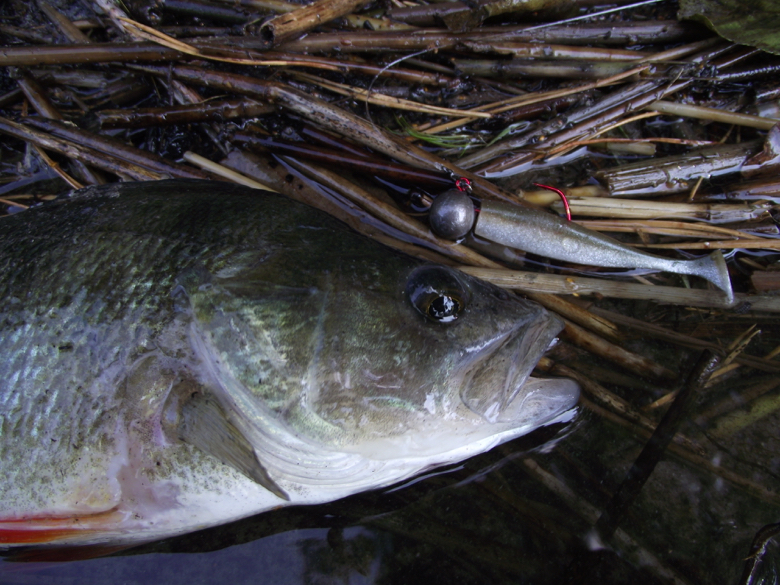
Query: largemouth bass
{"points": [[181, 354]]}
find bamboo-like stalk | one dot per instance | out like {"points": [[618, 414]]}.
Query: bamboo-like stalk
{"points": [[535, 282], [547, 51], [295, 23], [79, 54], [642, 209], [574, 313], [230, 109], [224, 172], [196, 8], [545, 197], [386, 101], [712, 114], [278, 6], [675, 174], [228, 55], [721, 245], [635, 33], [552, 68], [668, 228], [359, 66]]}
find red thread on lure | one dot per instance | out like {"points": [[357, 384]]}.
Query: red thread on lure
{"points": [[463, 184]]}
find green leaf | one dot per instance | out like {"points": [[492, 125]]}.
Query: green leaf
{"points": [[747, 22]]}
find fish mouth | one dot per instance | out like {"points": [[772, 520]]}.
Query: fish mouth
{"points": [[499, 386]]}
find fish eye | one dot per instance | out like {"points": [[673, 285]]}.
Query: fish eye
{"points": [[437, 293]]}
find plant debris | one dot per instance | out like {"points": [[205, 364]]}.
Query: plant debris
{"points": [[658, 131]]}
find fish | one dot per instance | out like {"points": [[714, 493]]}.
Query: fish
{"points": [[548, 235], [181, 354]]}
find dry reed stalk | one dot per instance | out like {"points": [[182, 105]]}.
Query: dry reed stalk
{"points": [[535, 282], [297, 22]]}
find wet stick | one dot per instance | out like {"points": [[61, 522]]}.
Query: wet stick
{"points": [[387, 213], [295, 23], [713, 114], [41, 103], [620, 34], [114, 147], [616, 354], [537, 282], [643, 209], [362, 163], [284, 179], [658, 332], [78, 152], [577, 314], [185, 114], [656, 446], [618, 405], [543, 68], [75, 54], [674, 174]]}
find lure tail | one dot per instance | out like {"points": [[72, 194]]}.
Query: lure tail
{"points": [[711, 268]]}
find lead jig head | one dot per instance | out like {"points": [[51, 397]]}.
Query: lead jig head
{"points": [[452, 215]]}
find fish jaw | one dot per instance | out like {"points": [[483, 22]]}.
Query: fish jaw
{"points": [[499, 377]]}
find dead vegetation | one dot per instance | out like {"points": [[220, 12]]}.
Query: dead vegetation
{"points": [[659, 132]]}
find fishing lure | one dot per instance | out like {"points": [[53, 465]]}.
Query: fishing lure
{"points": [[453, 215]]}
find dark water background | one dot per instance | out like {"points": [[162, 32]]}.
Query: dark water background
{"points": [[518, 514]]}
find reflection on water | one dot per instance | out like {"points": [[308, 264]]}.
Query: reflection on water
{"points": [[522, 513], [309, 555]]}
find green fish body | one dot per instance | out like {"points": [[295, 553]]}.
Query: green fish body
{"points": [[180, 354]]}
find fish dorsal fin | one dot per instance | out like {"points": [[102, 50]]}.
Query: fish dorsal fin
{"points": [[204, 424]]}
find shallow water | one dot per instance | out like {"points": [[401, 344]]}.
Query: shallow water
{"points": [[519, 514]]}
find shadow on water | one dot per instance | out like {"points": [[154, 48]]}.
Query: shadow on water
{"points": [[521, 513]]}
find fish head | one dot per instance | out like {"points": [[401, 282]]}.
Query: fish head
{"points": [[379, 356], [205, 353]]}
